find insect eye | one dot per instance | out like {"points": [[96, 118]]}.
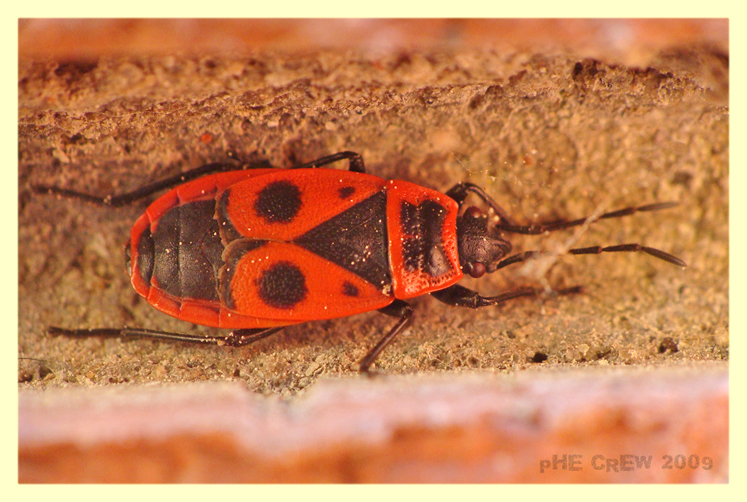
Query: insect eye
{"points": [[476, 270], [473, 212]]}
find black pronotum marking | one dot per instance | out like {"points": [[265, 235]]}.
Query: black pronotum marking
{"points": [[356, 240], [423, 247], [278, 202], [349, 289], [186, 250], [282, 286], [345, 192]]}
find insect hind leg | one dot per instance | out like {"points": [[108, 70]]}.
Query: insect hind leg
{"points": [[140, 193], [355, 160], [236, 338]]}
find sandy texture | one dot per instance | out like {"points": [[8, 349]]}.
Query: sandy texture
{"points": [[549, 136], [554, 118]]}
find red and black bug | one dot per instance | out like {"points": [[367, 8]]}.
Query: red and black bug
{"points": [[254, 250]]}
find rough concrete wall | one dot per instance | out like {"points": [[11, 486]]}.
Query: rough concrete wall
{"points": [[550, 133], [547, 136]]}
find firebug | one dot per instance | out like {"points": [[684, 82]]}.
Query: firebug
{"points": [[256, 249]]}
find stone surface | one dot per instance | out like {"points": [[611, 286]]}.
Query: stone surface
{"points": [[581, 426], [563, 127]]}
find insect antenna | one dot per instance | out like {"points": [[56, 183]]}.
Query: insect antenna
{"points": [[528, 255], [553, 226]]}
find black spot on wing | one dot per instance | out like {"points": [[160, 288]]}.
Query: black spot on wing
{"points": [[345, 192], [278, 202], [349, 289], [282, 286]]}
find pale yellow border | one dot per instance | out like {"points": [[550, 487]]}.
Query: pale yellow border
{"points": [[734, 10]]}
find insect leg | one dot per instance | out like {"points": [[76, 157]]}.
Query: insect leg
{"points": [[356, 165], [459, 296], [355, 159], [140, 193], [236, 338], [400, 309], [460, 191]]}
